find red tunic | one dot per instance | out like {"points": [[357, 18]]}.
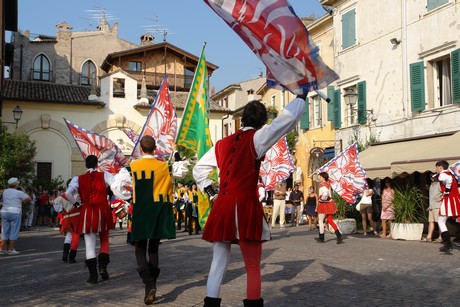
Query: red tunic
{"points": [[326, 206], [451, 203], [237, 212], [95, 214], [69, 222]]}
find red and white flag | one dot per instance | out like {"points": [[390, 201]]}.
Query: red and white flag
{"points": [[161, 123], [455, 170], [134, 137], [277, 164], [346, 175], [111, 158], [272, 30]]}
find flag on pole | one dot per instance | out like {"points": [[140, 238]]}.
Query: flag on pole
{"points": [[272, 30], [455, 170], [161, 123], [111, 158], [194, 131], [346, 175], [277, 164], [134, 137]]}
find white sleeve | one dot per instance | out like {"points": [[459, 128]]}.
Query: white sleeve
{"points": [[446, 180], [72, 189], [204, 167], [268, 135], [261, 193], [122, 180]]}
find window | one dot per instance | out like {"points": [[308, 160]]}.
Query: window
{"points": [[225, 102], [226, 131], [273, 101], [88, 70], [305, 119], [42, 68], [432, 4], [189, 74], [315, 109], [135, 66], [442, 91], [348, 29], [118, 87], [44, 170], [417, 86]]}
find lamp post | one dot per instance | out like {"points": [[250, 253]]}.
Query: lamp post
{"points": [[17, 114]]}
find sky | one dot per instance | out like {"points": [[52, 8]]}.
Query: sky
{"points": [[189, 24]]}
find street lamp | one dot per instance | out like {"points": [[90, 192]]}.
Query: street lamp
{"points": [[17, 114], [351, 98]]}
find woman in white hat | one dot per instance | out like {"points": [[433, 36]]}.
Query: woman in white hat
{"points": [[11, 212]]}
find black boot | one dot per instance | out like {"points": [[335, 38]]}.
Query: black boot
{"points": [[446, 241], [321, 238], [253, 303], [72, 255], [92, 268], [149, 277], [65, 253], [212, 301], [339, 236], [104, 260]]}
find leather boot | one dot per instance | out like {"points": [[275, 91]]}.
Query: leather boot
{"points": [[103, 260], [72, 255], [253, 303], [446, 241], [321, 238], [339, 236], [212, 301], [65, 253], [149, 277], [91, 264]]}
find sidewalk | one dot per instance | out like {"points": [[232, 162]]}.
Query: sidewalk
{"points": [[296, 271]]}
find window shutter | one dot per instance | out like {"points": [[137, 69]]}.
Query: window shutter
{"points": [[417, 86], [455, 68], [330, 105], [337, 109], [305, 120], [432, 4], [348, 29], [362, 115]]}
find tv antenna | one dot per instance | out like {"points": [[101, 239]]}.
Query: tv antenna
{"points": [[157, 29], [101, 14]]}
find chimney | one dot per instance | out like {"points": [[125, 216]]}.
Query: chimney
{"points": [[147, 39]]}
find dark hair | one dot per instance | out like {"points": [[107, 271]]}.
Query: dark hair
{"points": [[148, 144], [91, 161], [443, 163], [254, 115], [324, 175]]}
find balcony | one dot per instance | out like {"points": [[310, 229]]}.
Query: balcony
{"points": [[153, 80]]}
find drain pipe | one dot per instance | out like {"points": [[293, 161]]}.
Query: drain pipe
{"points": [[404, 59]]}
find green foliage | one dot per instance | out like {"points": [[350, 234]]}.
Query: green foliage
{"points": [[291, 139], [185, 152], [188, 178], [17, 153], [50, 185], [272, 113], [343, 208], [363, 144], [409, 205]]}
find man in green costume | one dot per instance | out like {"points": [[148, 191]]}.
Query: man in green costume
{"points": [[152, 216]]}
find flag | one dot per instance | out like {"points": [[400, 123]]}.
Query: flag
{"points": [[111, 158], [161, 123], [346, 175], [272, 30], [134, 137], [455, 170], [194, 131], [277, 164]]}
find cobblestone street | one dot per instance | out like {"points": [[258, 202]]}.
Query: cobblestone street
{"points": [[296, 271]]}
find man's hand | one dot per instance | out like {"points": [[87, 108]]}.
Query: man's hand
{"points": [[77, 205], [446, 192], [211, 192]]}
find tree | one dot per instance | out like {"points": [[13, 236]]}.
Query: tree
{"points": [[17, 153]]}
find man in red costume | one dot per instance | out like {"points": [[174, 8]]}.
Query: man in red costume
{"points": [[450, 206], [95, 215], [237, 215]]}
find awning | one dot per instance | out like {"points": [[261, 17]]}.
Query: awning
{"points": [[419, 155]]}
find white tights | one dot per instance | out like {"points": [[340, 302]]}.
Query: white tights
{"points": [[90, 244], [321, 217], [219, 265], [68, 238], [442, 219]]}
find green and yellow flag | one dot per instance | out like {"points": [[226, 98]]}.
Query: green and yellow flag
{"points": [[194, 130]]}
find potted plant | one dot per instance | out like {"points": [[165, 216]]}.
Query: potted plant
{"points": [[346, 225], [409, 207]]}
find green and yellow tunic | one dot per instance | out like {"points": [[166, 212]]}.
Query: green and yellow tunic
{"points": [[152, 198]]}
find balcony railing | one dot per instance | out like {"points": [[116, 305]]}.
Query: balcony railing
{"points": [[178, 82]]}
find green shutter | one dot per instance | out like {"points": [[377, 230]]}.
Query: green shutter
{"points": [[417, 86], [337, 109], [348, 29], [432, 4], [455, 68], [305, 120], [330, 105], [362, 115]]}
